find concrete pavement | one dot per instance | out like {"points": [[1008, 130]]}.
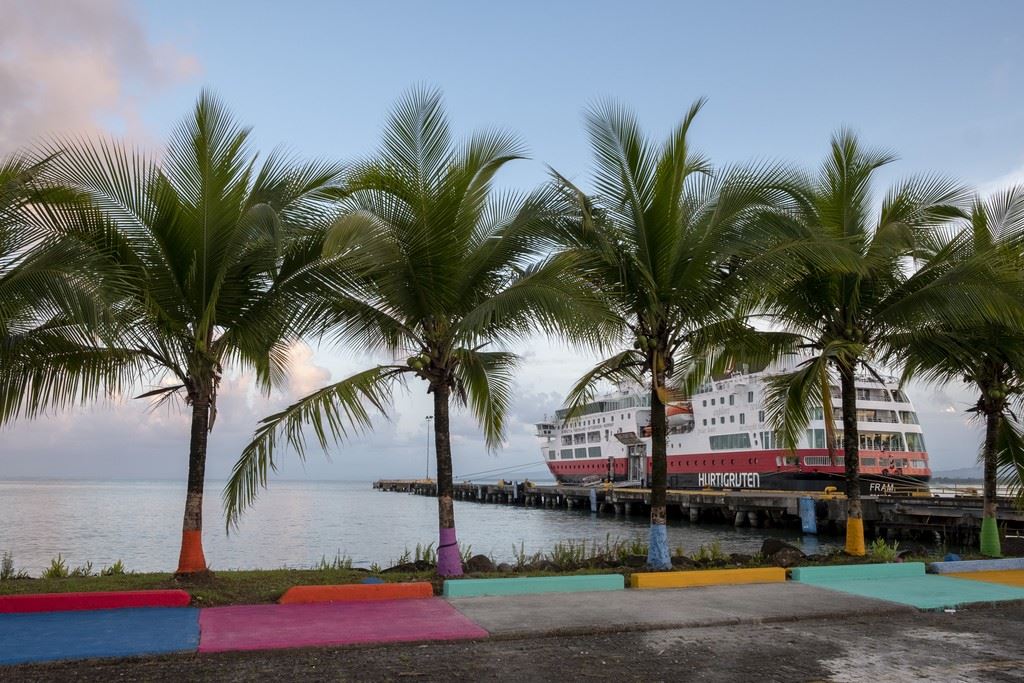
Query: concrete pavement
{"points": [[635, 610]]}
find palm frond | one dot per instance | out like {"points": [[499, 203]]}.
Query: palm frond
{"points": [[333, 413], [486, 377]]}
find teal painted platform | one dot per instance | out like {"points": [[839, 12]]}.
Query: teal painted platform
{"points": [[858, 572], [527, 585], [906, 584], [1007, 563]]}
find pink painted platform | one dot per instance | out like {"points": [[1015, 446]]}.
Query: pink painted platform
{"points": [[264, 627]]}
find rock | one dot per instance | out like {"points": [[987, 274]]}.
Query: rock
{"points": [[505, 568], [773, 545], [479, 563], [682, 561], [418, 566], [635, 561], [543, 566], [780, 553], [739, 559], [787, 557]]}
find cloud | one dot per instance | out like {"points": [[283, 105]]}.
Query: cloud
{"points": [[1013, 177], [304, 374], [79, 67]]}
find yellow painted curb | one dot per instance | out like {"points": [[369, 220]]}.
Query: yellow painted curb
{"points": [[709, 577], [1007, 577]]}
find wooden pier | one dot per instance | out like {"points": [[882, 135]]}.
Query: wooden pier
{"points": [[953, 519]]}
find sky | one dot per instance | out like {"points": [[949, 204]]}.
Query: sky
{"points": [[937, 82]]}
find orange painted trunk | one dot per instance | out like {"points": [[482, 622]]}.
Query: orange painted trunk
{"points": [[191, 559]]}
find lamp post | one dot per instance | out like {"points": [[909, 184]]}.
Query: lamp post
{"points": [[430, 419]]}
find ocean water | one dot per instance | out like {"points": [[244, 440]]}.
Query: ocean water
{"points": [[295, 524]]}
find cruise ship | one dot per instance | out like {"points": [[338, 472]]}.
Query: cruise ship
{"points": [[720, 439]]}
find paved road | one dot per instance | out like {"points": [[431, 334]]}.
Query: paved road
{"points": [[975, 644]]}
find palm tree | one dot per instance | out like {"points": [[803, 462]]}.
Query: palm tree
{"points": [[988, 354], [664, 240], [52, 295], [211, 241], [446, 266], [845, 317]]}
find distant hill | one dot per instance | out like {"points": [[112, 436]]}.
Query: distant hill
{"points": [[973, 473]]}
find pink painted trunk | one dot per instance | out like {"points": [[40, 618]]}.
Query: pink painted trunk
{"points": [[449, 560]]}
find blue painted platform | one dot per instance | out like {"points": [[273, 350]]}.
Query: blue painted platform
{"points": [[964, 566], [906, 584], [49, 636]]}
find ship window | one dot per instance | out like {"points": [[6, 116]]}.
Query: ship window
{"points": [[567, 440], [908, 417], [732, 399], [594, 452], [816, 438], [918, 464], [705, 403], [868, 462], [566, 453], [593, 437], [760, 416], [551, 455], [817, 461], [705, 422], [712, 401], [732, 418], [712, 420], [730, 441], [579, 438], [743, 418], [915, 442], [750, 397], [581, 452]]}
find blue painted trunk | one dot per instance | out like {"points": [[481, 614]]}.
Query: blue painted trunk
{"points": [[658, 557]]}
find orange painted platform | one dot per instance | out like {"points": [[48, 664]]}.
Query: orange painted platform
{"points": [[357, 592], [1007, 577]]}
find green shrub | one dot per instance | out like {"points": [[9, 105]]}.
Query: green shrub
{"points": [[710, 554], [426, 553], [58, 569], [7, 571], [116, 569], [340, 562], [522, 559], [82, 571], [881, 551]]}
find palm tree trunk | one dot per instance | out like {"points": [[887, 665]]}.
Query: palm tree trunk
{"points": [[449, 560], [990, 544], [657, 550], [191, 559], [851, 458]]}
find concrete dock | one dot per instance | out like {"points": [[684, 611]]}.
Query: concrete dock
{"points": [[952, 520]]}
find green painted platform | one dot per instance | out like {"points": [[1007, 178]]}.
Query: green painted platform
{"points": [[906, 584], [528, 585]]}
